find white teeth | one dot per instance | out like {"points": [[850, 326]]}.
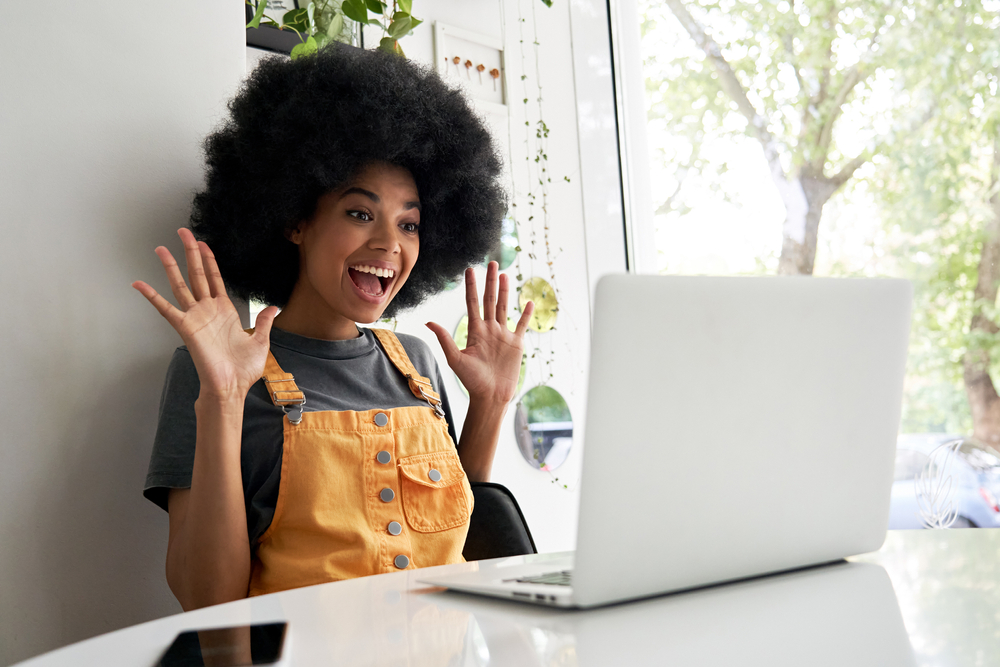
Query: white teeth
{"points": [[380, 273]]}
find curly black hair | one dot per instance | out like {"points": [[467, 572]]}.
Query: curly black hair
{"points": [[301, 128]]}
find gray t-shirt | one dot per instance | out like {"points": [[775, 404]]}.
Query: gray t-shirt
{"points": [[338, 375]]}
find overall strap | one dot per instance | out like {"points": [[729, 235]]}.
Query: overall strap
{"points": [[282, 388], [281, 385], [419, 385]]}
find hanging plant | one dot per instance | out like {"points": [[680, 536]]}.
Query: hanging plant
{"points": [[395, 24], [325, 21]]}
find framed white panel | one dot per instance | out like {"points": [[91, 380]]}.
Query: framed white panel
{"points": [[479, 69]]}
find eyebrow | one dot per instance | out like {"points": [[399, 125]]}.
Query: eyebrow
{"points": [[375, 198]]}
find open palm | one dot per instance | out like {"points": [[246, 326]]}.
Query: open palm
{"points": [[490, 364], [228, 361]]}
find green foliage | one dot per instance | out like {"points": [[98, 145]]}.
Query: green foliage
{"points": [[926, 108], [544, 404], [322, 22], [934, 187], [317, 24], [257, 15], [802, 65]]}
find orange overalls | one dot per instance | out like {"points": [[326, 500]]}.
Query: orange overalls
{"points": [[362, 492]]}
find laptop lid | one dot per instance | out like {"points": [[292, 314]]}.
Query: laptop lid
{"points": [[736, 426]]}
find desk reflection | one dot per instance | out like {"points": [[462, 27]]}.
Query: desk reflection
{"points": [[836, 615]]}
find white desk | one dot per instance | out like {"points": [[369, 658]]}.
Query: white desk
{"points": [[947, 593]]}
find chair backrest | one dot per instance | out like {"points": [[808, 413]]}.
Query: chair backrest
{"points": [[497, 528]]}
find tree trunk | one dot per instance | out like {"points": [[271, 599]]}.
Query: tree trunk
{"points": [[983, 399], [802, 215], [803, 195]]}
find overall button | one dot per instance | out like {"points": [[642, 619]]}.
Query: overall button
{"points": [[401, 561], [395, 528], [386, 495], [383, 457], [434, 475], [381, 419]]}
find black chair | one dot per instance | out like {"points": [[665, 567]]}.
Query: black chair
{"points": [[497, 528]]}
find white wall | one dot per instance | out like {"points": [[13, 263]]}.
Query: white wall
{"points": [[102, 111]]}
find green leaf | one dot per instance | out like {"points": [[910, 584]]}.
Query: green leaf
{"points": [[399, 27], [311, 12], [336, 26], [255, 21], [355, 10], [297, 19], [322, 39], [548, 3], [402, 24], [389, 45], [405, 5], [375, 7], [305, 48]]}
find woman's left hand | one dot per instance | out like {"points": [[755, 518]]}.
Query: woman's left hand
{"points": [[490, 364]]}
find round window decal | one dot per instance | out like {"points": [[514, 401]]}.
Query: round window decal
{"points": [[509, 245], [543, 428], [546, 303]]}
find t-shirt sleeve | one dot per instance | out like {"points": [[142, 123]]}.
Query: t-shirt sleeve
{"points": [[426, 364], [439, 385], [172, 460]]}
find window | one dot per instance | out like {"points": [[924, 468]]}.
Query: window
{"points": [[843, 139]]}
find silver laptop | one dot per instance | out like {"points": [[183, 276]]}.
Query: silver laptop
{"points": [[735, 427]]}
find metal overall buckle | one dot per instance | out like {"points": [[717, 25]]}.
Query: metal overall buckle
{"points": [[438, 410], [290, 406], [293, 410]]}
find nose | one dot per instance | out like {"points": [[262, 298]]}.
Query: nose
{"points": [[384, 237]]}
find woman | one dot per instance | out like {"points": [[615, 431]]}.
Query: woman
{"points": [[344, 187]]}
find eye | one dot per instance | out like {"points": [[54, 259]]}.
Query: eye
{"points": [[362, 215], [410, 227]]}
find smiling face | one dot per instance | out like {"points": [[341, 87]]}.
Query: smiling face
{"points": [[355, 254]]}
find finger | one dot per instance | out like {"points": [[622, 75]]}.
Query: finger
{"points": [[215, 282], [471, 295], [451, 352], [490, 293], [503, 295], [164, 307], [177, 285], [522, 324], [262, 325], [196, 271]]}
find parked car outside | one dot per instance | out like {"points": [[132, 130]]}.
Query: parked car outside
{"points": [[972, 467]]}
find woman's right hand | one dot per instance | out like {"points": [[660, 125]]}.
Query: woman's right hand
{"points": [[228, 360]]}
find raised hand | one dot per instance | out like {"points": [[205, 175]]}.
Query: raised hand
{"points": [[491, 361], [228, 361]]}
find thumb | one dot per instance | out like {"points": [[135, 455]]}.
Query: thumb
{"points": [[262, 325], [451, 351]]}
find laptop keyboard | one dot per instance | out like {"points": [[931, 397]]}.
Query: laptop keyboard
{"points": [[562, 578]]}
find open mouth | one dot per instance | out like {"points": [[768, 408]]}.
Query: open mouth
{"points": [[371, 280]]}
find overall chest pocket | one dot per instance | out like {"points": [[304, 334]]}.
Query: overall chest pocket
{"points": [[433, 487]]}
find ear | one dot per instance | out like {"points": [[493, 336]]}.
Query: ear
{"points": [[295, 234]]}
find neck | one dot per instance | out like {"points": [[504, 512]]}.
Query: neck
{"points": [[298, 318]]}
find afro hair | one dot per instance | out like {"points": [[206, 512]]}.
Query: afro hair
{"points": [[301, 128]]}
